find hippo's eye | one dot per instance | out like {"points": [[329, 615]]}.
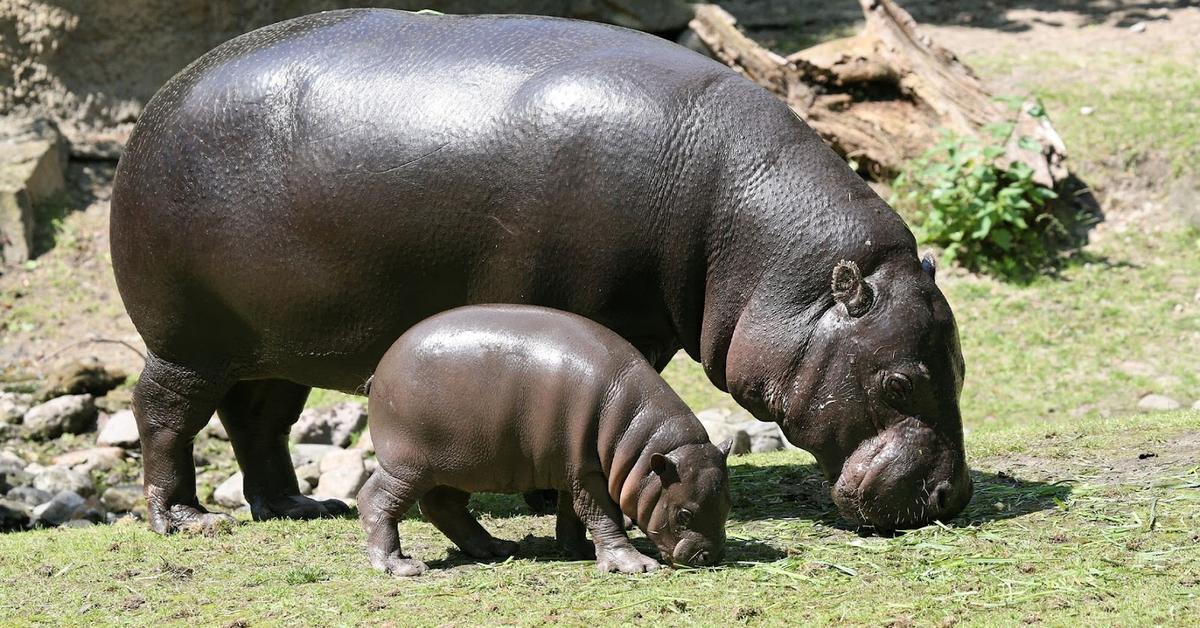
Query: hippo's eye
{"points": [[898, 386], [683, 518]]}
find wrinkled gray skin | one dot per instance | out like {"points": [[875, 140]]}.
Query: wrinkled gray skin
{"points": [[512, 398], [291, 203]]}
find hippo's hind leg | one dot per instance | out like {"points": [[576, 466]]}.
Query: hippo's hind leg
{"points": [[381, 502], [446, 509], [570, 531], [258, 416], [172, 403]]}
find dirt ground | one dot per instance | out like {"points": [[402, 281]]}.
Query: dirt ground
{"points": [[56, 307]]}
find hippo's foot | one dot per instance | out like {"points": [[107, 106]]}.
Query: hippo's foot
{"points": [[296, 507], [396, 565], [491, 548], [624, 560], [189, 519]]}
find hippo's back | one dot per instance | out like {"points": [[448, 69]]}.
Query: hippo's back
{"points": [[298, 197]]}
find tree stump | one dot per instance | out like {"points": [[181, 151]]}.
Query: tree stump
{"points": [[880, 97]]}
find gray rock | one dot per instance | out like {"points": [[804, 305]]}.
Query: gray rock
{"points": [[342, 483], [87, 460], [229, 494], [33, 159], [61, 479], [303, 454], [13, 515], [77, 523], [1196, 405], [72, 414], [13, 473], [764, 436], [122, 497], [86, 376], [58, 510], [342, 459], [29, 496], [9, 460], [729, 416], [120, 431], [310, 473], [719, 432], [13, 406], [332, 425], [216, 429], [365, 443], [306, 487], [1157, 403]]}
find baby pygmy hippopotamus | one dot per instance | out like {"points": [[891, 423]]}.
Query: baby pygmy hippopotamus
{"points": [[511, 398]]}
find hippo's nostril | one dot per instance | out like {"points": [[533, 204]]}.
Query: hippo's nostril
{"points": [[940, 496]]}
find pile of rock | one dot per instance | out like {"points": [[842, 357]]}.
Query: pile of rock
{"points": [[331, 451]]}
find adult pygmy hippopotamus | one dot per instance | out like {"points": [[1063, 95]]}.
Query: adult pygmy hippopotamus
{"points": [[292, 202], [508, 398]]}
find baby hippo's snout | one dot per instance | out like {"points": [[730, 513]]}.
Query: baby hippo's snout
{"points": [[698, 553]]}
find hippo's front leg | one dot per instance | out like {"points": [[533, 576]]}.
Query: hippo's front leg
{"points": [[171, 404], [258, 416], [603, 519]]}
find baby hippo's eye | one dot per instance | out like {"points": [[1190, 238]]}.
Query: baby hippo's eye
{"points": [[683, 518]]}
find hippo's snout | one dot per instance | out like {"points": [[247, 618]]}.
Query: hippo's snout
{"points": [[693, 554], [903, 478]]}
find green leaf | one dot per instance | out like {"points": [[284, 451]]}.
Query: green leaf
{"points": [[1002, 238]]}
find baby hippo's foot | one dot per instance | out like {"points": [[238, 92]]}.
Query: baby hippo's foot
{"points": [[492, 548], [396, 565], [624, 560], [295, 507]]}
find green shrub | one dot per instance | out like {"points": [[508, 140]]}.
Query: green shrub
{"points": [[984, 215]]}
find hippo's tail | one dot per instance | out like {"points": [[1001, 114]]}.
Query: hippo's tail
{"points": [[365, 389]]}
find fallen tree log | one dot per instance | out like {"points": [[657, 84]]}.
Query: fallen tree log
{"points": [[881, 96]]}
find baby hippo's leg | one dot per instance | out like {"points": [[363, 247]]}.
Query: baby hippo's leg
{"points": [[446, 509], [381, 502], [604, 520], [570, 530]]}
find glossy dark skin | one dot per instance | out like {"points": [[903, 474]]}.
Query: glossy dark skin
{"points": [[296, 199], [512, 398]]}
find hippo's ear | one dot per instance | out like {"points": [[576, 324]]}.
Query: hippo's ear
{"points": [[726, 447], [664, 467], [929, 265], [850, 289]]}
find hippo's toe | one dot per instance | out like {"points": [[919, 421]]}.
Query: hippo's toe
{"points": [[402, 567], [625, 561]]}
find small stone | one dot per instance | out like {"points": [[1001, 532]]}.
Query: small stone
{"points": [[122, 497], [365, 443], [230, 493], [719, 432], [310, 473], [61, 479], [12, 476], [342, 459], [13, 406], [10, 460], [13, 516], [87, 460], [764, 436], [29, 496], [72, 414], [342, 483], [1196, 405], [728, 416], [1139, 27], [77, 523], [333, 425], [306, 487], [57, 510], [120, 431], [81, 377], [1087, 111], [1157, 403], [303, 454], [1135, 368], [216, 429]]}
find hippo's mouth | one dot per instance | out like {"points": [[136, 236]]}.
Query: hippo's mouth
{"points": [[901, 478]]}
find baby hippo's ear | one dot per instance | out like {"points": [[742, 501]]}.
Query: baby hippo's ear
{"points": [[664, 467], [726, 447]]}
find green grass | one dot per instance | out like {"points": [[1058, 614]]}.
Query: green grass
{"points": [[1088, 533]]}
